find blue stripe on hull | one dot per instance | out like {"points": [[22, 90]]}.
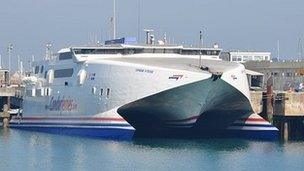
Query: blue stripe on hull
{"points": [[254, 134], [105, 133]]}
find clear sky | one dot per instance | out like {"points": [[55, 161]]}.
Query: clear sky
{"points": [[234, 24]]}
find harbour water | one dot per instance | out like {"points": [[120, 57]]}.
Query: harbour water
{"points": [[24, 150]]}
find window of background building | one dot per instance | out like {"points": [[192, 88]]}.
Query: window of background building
{"points": [[289, 74], [258, 58], [239, 58], [247, 58], [234, 58]]}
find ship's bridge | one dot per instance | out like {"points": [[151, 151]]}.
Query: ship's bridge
{"points": [[141, 49]]}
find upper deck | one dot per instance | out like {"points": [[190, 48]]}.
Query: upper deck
{"points": [[142, 49], [167, 56]]}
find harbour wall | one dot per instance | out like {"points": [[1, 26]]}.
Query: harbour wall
{"points": [[283, 109]]}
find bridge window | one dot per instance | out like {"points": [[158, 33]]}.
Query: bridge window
{"points": [[61, 73], [128, 51], [99, 51], [65, 56]]}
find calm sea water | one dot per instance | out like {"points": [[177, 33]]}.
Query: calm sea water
{"points": [[22, 150]]}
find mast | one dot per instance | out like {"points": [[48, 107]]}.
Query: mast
{"points": [[114, 20], [9, 53], [300, 49], [138, 21], [21, 67], [32, 64], [18, 62], [278, 49], [200, 52]]}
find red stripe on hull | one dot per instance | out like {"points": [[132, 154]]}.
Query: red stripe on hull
{"points": [[253, 119], [71, 118]]}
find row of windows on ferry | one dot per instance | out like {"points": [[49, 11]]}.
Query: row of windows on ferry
{"points": [[101, 91], [47, 92], [146, 50], [38, 92]]}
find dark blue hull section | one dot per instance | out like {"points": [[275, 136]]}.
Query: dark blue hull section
{"points": [[104, 133], [254, 134]]}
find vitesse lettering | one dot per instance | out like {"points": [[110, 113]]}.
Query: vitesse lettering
{"points": [[144, 70]]}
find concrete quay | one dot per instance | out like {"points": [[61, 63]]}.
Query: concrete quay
{"points": [[7, 91], [283, 109], [10, 97], [289, 114]]}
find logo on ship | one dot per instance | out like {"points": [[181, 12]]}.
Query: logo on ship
{"points": [[64, 104]]}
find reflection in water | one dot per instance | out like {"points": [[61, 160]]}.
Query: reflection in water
{"points": [[4, 133], [79, 156], [203, 144], [38, 151]]}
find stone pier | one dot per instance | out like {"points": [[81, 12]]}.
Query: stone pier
{"points": [[289, 114]]}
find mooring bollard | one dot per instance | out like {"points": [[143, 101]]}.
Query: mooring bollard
{"points": [[285, 131], [269, 103], [5, 116]]}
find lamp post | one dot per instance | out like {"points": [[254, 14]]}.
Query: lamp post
{"points": [[48, 53]]}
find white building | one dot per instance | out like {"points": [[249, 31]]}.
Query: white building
{"points": [[241, 56]]}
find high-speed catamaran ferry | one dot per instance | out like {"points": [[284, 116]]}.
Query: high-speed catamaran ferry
{"points": [[110, 91]]}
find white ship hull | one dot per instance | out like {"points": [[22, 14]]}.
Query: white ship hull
{"points": [[151, 92]]}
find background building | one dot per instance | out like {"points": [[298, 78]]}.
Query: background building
{"points": [[285, 75], [243, 56], [3, 77]]}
